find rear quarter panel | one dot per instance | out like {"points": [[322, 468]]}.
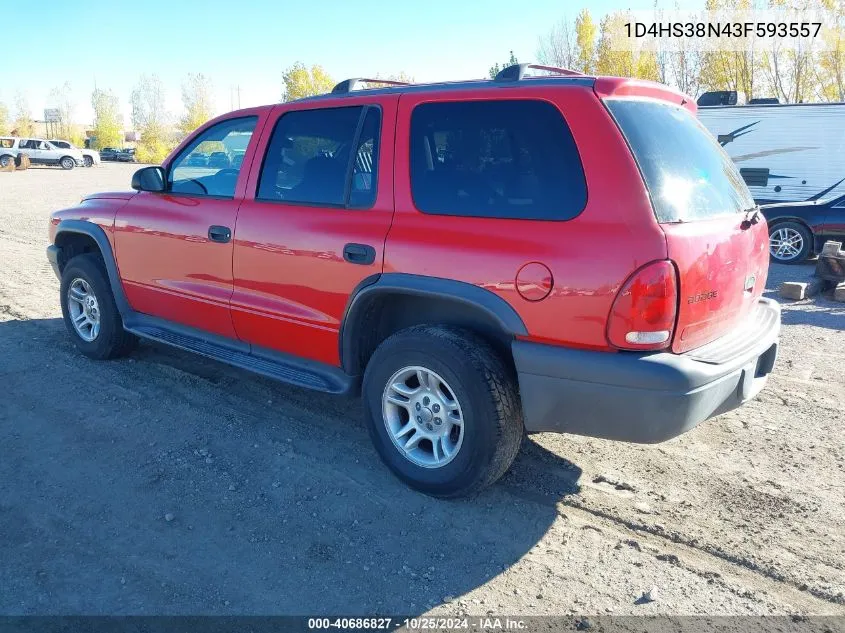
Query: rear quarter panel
{"points": [[589, 256]]}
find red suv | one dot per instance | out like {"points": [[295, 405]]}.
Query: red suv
{"points": [[559, 253]]}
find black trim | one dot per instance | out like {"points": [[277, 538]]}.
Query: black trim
{"points": [[276, 365], [496, 308], [96, 233], [363, 254]]}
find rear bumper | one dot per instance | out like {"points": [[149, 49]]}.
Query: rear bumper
{"points": [[644, 398]]}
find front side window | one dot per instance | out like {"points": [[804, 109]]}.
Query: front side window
{"points": [[497, 159], [323, 157], [207, 166]]}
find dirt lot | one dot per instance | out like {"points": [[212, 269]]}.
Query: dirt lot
{"points": [[165, 483]]}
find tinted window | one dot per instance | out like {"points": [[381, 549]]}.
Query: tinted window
{"points": [[61, 144], [308, 159], [503, 159], [215, 175], [688, 175]]}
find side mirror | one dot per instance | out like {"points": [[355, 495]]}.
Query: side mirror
{"points": [[149, 179]]}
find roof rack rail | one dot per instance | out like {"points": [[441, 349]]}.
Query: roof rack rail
{"points": [[348, 85], [517, 72]]}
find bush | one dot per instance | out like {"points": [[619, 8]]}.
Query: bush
{"points": [[22, 162]]}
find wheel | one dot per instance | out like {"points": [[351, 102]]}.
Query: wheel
{"points": [[67, 163], [443, 410], [89, 311], [5, 160], [87, 161], [790, 242]]}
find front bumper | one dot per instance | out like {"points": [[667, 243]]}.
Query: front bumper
{"points": [[644, 397], [53, 253]]}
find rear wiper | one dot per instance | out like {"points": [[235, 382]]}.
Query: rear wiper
{"points": [[752, 217]]}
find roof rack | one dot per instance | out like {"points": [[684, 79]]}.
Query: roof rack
{"points": [[348, 85], [517, 72]]}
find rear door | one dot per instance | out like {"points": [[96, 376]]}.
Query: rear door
{"points": [[312, 227], [701, 202]]}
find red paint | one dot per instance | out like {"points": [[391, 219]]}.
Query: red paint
{"points": [[282, 281]]}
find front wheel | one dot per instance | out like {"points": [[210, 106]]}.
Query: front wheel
{"points": [[5, 160], [790, 242], [67, 163], [443, 410], [89, 310]]}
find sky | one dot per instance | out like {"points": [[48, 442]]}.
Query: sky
{"points": [[248, 43]]}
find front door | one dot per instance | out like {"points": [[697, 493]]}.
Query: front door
{"points": [[313, 223], [174, 249]]}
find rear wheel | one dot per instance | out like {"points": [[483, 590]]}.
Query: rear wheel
{"points": [[790, 242], [67, 163], [88, 161], [443, 410], [89, 310]]}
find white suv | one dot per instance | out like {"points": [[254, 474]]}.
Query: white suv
{"points": [[40, 152], [89, 156]]}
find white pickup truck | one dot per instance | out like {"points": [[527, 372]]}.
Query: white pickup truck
{"points": [[40, 152]]}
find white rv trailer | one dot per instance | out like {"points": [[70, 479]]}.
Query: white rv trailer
{"points": [[785, 152]]}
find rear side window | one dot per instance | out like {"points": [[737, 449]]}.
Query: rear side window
{"points": [[498, 159], [324, 157], [688, 175]]}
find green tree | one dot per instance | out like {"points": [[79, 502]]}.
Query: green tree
{"points": [[585, 42], [150, 120], [300, 82], [5, 128], [23, 125], [495, 68], [108, 122], [198, 98]]}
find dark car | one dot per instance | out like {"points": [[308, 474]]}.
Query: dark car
{"points": [[109, 153], [797, 229], [196, 160], [218, 159], [126, 155]]}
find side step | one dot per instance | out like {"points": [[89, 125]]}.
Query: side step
{"points": [[281, 367]]}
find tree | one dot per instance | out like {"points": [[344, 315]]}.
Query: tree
{"points": [[60, 99], [585, 42], [495, 69], [401, 76], [559, 46], [149, 118], [300, 82], [612, 59], [831, 61], [729, 69], [198, 98], [5, 128], [108, 121], [23, 125]]}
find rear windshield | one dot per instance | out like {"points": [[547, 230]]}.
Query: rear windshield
{"points": [[687, 173]]}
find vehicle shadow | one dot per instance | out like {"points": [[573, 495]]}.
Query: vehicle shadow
{"points": [[168, 483]]}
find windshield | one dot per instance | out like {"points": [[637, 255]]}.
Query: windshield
{"points": [[687, 173]]}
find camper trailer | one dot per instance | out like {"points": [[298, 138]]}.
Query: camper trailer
{"points": [[785, 152]]}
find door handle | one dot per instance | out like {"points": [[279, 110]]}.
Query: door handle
{"points": [[219, 234], [359, 254]]}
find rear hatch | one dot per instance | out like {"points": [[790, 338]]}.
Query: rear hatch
{"points": [[714, 237]]}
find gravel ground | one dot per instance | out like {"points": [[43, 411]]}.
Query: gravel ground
{"points": [[166, 483]]}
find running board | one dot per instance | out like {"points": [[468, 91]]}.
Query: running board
{"points": [[281, 367]]}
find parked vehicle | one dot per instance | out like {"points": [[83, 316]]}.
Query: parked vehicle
{"points": [[218, 159], [40, 152], [480, 259], [798, 229], [117, 155], [109, 153], [785, 152], [90, 157], [196, 159]]}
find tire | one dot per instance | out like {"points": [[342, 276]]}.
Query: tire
{"points": [[87, 161], [67, 163], [790, 242], [5, 160], [482, 386], [86, 272]]}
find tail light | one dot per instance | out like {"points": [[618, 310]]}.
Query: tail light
{"points": [[643, 313]]}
